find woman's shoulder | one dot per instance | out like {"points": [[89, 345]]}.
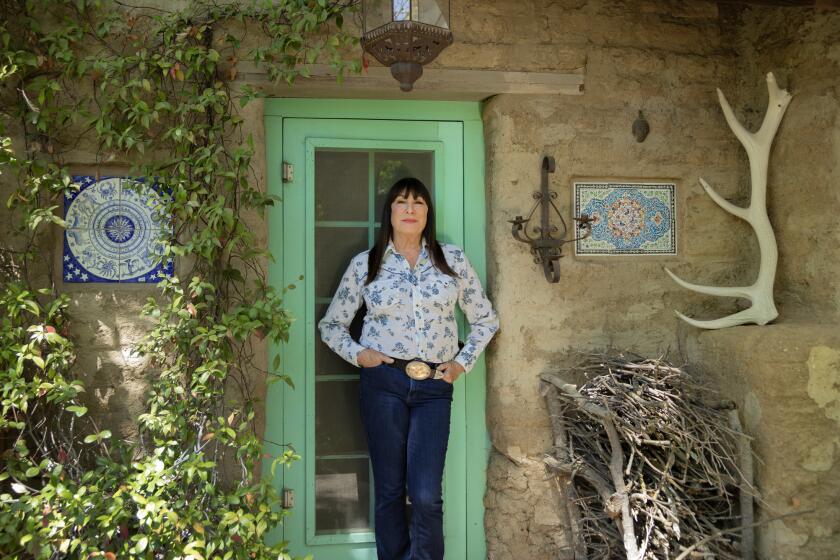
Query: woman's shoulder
{"points": [[359, 265], [450, 250], [360, 259], [455, 257], [362, 255]]}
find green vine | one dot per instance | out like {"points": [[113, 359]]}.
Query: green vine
{"points": [[116, 83]]}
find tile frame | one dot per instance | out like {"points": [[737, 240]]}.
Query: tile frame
{"points": [[62, 247], [615, 182]]}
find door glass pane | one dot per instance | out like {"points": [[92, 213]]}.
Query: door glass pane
{"points": [[334, 247], [342, 496], [344, 228], [335, 426], [341, 185]]}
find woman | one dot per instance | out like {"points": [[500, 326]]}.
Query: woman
{"points": [[409, 355]]}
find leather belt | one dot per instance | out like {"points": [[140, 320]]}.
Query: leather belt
{"points": [[417, 369]]}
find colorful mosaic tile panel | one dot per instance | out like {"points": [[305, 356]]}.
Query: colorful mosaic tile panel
{"points": [[114, 230], [628, 218]]}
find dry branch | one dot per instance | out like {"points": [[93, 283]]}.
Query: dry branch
{"points": [[652, 459], [571, 513]]}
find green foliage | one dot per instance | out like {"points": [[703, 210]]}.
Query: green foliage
{"points": [[153, 87]]}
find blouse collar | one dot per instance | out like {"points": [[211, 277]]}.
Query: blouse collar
{"points": [[392, 248]]}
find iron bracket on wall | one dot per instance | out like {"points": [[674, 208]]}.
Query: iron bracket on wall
{"points": [[547, 250]]}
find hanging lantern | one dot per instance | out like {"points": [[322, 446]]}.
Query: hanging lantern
{"points": [[405, 35]]}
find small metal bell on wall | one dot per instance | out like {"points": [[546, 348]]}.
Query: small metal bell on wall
{"points": [[641, 128]]}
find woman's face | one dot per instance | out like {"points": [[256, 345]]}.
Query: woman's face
{"points": [[408, 214]]}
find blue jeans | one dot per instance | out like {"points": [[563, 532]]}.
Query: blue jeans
{"points": [[407, 427]]}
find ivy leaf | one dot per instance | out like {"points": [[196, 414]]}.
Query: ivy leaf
{"points": [[234, 274], [78, 410], [104, 434]]}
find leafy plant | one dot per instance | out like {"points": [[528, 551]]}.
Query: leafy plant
{"points": [[154, 87]]}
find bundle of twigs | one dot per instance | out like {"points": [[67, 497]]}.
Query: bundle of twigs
{"points": [[650, 459]]}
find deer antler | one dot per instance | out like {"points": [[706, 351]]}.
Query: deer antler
{"points": [[762, 309]]}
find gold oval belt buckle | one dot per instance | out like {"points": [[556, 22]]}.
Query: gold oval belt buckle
{"points": [[418, 370]]}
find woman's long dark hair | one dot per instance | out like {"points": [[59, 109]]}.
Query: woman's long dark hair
{"points": [[416, 188]]}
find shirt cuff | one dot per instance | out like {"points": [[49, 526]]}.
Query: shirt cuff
{"points": [[354, 350], [465, 364]]}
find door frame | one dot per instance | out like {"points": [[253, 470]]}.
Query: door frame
{"points": [[474, 220]]}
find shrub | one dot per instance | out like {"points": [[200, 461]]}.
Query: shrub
{"points": [[153, 87]]}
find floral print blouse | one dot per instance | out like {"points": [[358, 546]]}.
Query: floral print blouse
{"points": [[411, 313]]}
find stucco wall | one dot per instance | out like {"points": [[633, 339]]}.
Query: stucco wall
{"points": [[784, 376], [663, 58], [785, 380], [802, 47], [670, 65], [667, 59]]}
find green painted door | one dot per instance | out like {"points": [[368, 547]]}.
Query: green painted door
{"points": [[341, 169]]}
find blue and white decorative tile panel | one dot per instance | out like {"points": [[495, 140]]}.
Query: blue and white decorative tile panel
{"points": [[627, 218], [115, 228]]}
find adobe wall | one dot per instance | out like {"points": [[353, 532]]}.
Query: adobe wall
{"points": [[785, 379], [669, 65], [635, 57], [785, 376], [802, 48]]}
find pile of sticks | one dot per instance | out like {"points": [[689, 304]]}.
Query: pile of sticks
{"points": [[651, 464]]}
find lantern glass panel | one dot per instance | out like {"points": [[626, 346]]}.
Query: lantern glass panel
{"points": [[432, 12], [402, 10], [378, 13]]}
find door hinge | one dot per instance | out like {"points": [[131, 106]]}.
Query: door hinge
{"points": [[288, 172], [288, 498]]}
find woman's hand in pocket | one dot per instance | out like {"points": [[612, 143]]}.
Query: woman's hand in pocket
{"points": [[451, 371], [371, 358]]}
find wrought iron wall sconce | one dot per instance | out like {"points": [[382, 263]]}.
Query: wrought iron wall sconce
{"points": [[547, 250]]}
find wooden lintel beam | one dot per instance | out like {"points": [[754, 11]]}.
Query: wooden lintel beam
{"points": [[436, 83]]}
